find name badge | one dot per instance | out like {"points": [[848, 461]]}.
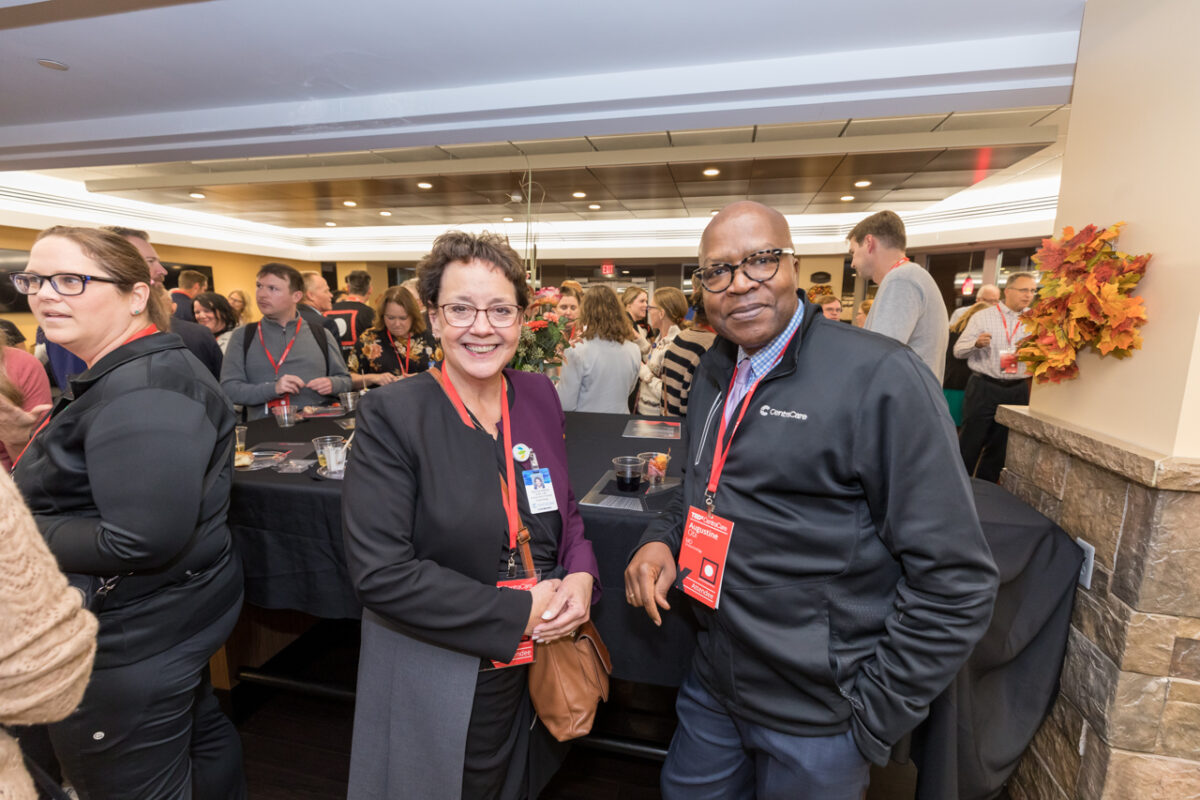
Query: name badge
{"points": [[539, 491], [525, 648], [702, 556], [1008, 362]]}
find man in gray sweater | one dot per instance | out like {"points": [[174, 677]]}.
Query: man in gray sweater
{"points": [[908, 306], [286, 362]]}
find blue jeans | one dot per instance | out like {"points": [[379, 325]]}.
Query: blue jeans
{"points": [[715, 756]]}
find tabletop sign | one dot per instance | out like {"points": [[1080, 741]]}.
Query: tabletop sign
{"points": [[651, 429], [702, 555], [524, 653]]}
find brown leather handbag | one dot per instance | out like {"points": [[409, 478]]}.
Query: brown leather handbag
{"points": [[568, 677]]}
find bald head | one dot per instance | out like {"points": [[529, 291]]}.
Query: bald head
{"points": [[988, 293], [742, 212]]}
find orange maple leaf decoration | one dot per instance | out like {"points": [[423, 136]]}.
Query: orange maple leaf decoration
{"points": [[1083, 301]]}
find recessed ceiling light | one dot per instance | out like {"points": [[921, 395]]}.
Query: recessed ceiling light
{"points": [[862, 184], [196, 195], [594, 206], [50, 63], [424, 185], [385, 213], [712, 172], [508, 219], [349, 203], [580, 195], [714, 212], [330, 224], [846, 198]]}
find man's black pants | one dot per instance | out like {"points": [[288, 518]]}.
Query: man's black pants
{"points": [[983, 441]]}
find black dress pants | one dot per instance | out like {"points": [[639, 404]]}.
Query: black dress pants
{"points": [[153, 730], [983, 441]]}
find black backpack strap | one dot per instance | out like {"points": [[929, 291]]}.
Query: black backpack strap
{"points": [[251, 331], [318, 332]]}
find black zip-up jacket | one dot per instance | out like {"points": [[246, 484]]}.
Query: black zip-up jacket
{"points": [[132, 478], [858, 579]]}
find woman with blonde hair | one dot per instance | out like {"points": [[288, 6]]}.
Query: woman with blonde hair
{"points": [[954, 382], [666, 317], [637, 302], [237, 301], [601, 370]]}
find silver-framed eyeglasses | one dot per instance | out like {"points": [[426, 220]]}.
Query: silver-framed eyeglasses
{"points": [[760, 266], [461, 315], [67, 284]]}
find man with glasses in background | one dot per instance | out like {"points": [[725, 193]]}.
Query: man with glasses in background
{"points": [[989, 344], [826, 537], [282, 360]]}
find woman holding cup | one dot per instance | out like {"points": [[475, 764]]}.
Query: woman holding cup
{"points": [[439, 491]]}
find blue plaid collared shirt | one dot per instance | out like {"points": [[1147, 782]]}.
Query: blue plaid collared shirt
{"points": [[764, 359]]}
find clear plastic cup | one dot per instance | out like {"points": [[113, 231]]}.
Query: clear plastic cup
{"points": [[349, 400], [334, 459], [321, 442], [239, 434], [286, 416], [656, 467], [628, 470]]}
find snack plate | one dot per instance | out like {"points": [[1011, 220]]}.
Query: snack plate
{"points": [[329, 412], [263, 459]]}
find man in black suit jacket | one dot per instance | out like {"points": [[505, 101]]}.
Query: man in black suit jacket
{"points": [[317, 300]]}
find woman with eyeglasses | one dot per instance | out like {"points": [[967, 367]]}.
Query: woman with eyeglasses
{"points": [[214, 312], [666, 318], [600, 372], [395, 346], [128, 480], [438, 496]]}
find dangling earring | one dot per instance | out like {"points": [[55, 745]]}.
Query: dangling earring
{"points": [[438, 355]]}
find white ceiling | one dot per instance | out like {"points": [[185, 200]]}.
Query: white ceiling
{"points": [[165, 80]]}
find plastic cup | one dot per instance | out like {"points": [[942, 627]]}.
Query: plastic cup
{"points": [[286, 416], [321, 442], [628, 470], [334, 460], [656, 467], [349, 400], [239, 433]]}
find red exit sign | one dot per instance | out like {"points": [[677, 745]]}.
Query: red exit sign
{"points": [[608, 269]]}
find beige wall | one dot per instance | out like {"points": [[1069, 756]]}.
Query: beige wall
{"points": [[1130, 156], [230, 270], [379, 276], [833, 265]]}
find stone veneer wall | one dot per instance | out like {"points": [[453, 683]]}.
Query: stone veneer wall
{"points": [[1127, 721]]}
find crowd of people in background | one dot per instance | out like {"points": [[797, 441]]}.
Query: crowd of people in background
{"points": [[176, 589]]}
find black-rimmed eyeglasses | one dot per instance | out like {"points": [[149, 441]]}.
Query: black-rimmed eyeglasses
{"points": [[461, 315], [67, 284], [760, 266]]}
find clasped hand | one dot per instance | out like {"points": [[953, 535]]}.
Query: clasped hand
{"points": [[559, 607], [291, 384]]}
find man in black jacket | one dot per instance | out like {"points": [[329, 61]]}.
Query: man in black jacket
{"points": [[826, 535]]}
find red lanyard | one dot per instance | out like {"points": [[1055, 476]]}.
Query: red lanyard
{"points": [[508, 488], [286, 350], [146, 331], [721, 452], [1004, 321], [898, 263], [407, 348]]}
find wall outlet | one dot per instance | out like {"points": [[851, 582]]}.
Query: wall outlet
{"points": [[1089, 561]]}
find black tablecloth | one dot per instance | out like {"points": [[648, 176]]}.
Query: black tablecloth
{"points": [[288, 531]]}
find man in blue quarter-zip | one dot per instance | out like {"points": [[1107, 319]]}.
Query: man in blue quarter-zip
{"points": [[826, 537]]}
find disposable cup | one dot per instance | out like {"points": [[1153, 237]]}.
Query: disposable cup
{"points": [[322, 442], [286, 416], [239, 434], [349, 400], [628, 470], [656, 467]]}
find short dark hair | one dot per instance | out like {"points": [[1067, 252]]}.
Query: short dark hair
{"points": [[359, 282], [285, 271], [190, 279], [127, 232], [886, 226], [1017, 275], [456, 246]]}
